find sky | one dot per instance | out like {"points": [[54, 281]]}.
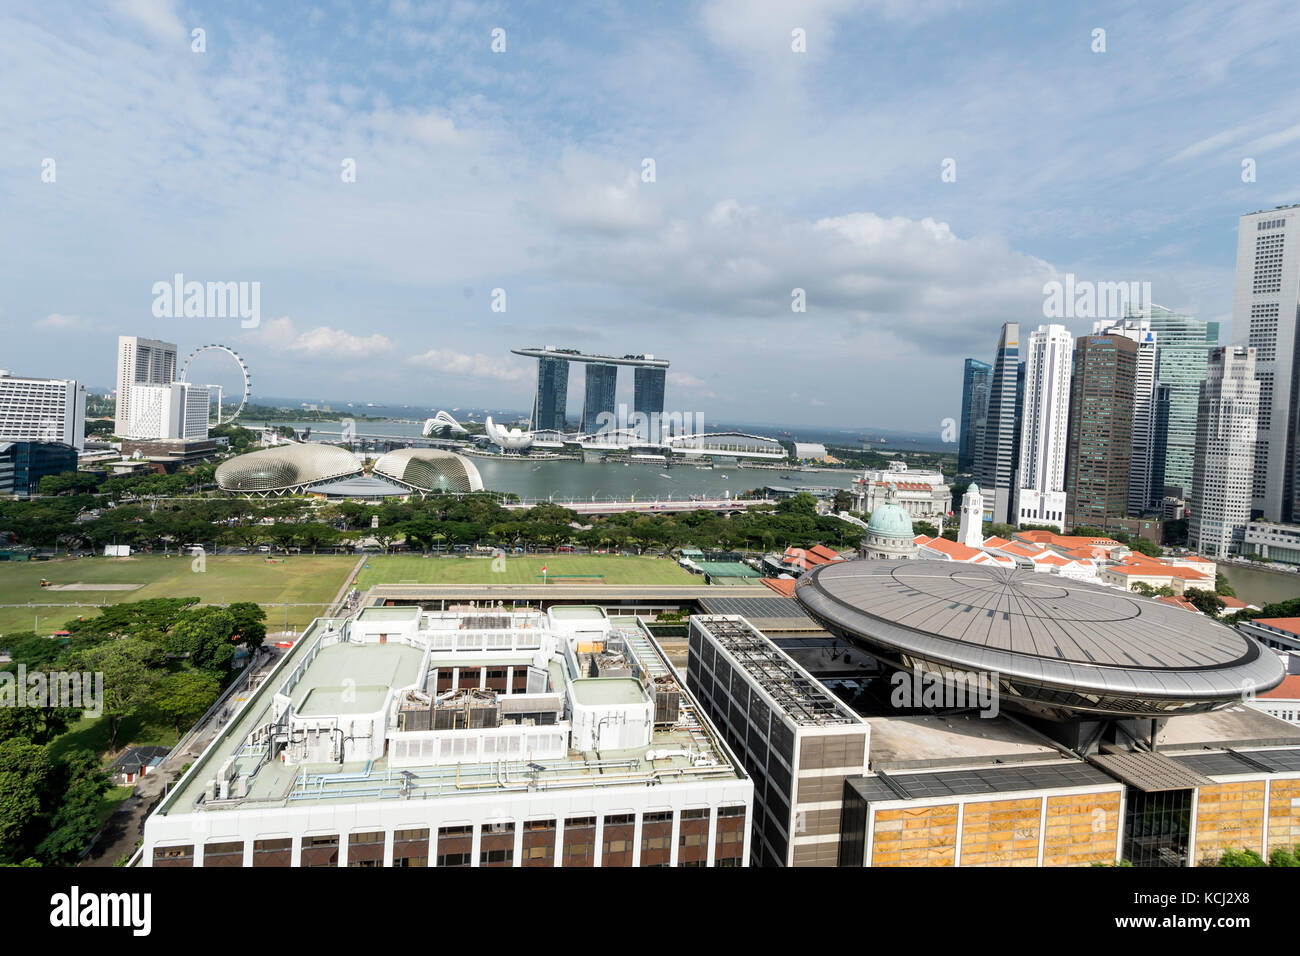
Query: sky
{"points": [[919, 169]]}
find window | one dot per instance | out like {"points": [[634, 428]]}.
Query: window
{"points": [[320, 850], [223, 854], [174, 855], [272, 852]]}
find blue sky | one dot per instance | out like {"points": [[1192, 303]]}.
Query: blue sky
{"points": [[521, 171]]}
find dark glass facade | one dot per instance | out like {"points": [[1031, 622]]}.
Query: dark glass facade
{"points": [[974, 410], [551, 404], [602, 383], [24, 463], [648, 399], [1157, 827], [994, 470]]}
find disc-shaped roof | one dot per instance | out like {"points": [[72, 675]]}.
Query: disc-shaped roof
{"points": [[1044, 629]]}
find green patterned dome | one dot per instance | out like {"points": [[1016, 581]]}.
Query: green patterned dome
{"points": [[891, 521]]}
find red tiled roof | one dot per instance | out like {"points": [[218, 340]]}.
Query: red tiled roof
{"points": [[1289, 689], [1230, 602], [995, 542], [1181, 602], [954, 549], [1065, 540], [1291, 624], [782, 586], [825, 552]]}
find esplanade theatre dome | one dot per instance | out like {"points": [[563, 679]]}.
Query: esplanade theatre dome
{"points": [[286, 469], [429, 470]]}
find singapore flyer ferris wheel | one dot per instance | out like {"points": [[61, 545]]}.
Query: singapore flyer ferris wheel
{"points": [[243, 368]]}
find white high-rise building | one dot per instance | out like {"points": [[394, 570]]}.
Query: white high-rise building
{"points": [[1044, 427], [42, 409], [971, 530], [1226, 436], [175, 410], [140, 362], [1144, 408], [1265, 308]]}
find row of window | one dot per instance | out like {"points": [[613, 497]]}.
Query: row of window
{"points": [[454, 844]]}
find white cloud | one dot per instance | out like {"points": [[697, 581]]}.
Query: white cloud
{"points": [[55, 322], [158, 16], [280, 335], [491, 367]]}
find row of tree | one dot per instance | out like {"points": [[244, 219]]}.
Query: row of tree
{"points": [[71, 522], [163, 660]]}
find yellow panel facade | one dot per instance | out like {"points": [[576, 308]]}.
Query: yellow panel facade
{"points": [[1001, 833], [1284, 814], [1081, 829], [1229, 816], [921, 836]]}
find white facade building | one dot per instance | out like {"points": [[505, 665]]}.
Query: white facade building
{"points": [[1227, 420], [42, 409], [1276, 542], [403, 737], [175, 410], [1142, 460], [922, 494], [1265, 303], [1044, 429], [140, 362]]}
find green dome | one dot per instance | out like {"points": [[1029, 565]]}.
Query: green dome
{"points": [[892, 521]]}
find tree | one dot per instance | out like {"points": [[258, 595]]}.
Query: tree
{"points": [[1242, 857], [81, 784], [317, 533], [205, 636], [183, 697], [1143, 546], [24, 767], [40, 725], [1207, 602], [250, 623], [129, 666]]}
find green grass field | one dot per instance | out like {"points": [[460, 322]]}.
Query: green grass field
{"points": [[298, 579], [614, 569]]}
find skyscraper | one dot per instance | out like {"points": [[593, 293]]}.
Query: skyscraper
{"points": [[1265, 310], [1182, 344], [648, 397], [1142, 461], [1159, 445], [140, 362], [1101, 430], [1044, 420], [995, 470], [42, 410], [974, 410], [550, 406], [1226, 437], [602, 384]]}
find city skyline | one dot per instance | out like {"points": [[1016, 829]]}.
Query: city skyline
{"points": [[530, 164]]}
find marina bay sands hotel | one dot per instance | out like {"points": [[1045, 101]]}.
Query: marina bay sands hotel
{"points": [[551, 401]]}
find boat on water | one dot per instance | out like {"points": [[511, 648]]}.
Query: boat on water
{"points": [[662, 475]]}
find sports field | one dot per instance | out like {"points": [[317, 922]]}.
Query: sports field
{"points": [[580, 569], [309, 581]]}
